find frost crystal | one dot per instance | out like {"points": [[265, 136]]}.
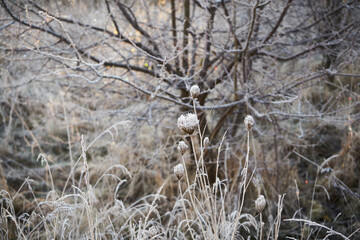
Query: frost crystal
{"points": [[182, 147], [194, 91], [260, 203], [188, 123], [249, 122], [153, 231], [179, 171]]}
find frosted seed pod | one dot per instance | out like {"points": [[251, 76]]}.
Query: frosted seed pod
{"points": [[152, 231], [206, 142], [194, 91], [249, 122], [182, 147], [188, 123], [260, 203], [179, 171]]}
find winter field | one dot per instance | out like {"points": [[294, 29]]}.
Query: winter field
{"points": [[192, 119]]}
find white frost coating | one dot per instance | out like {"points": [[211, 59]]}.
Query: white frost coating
{"points": [[260, 203], [179, 171], [182, 147], [249, 122], [194, 91], [188, 122]]}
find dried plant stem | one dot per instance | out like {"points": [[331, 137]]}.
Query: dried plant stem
{"points": [[11, 216], [199, 177], [186, 216], [88, 204], [209, 197], [201, 140], [191, 192], [310, 223], [199, 173], [278, 217], [204, 185], [244, 179], [312, 198], [201, 159], [188, 184], [185, 170], [216, 182], [90, 220], [69, 141], [261, 226]]}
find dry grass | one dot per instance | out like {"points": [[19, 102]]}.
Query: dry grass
{"points": [[81, 160], [96, 200]]}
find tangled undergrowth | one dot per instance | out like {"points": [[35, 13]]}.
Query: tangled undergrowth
{"points": [[187, 205]]}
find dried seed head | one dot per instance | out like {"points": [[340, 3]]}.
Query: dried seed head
{"points": [[188, 123], [249, 122], [260, 203], [152, 231], [182, 147], [206, 142], [194, 91], [179, 171]]}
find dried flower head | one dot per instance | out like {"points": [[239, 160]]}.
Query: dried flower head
{"points": [[152, 231], [188, 122], [206, 142], [179, 171], [194, 91], [182, 147], [260, 203], [249, 122]]}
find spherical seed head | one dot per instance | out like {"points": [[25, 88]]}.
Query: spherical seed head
{"points": [[194, 91], [260, 203], [152, 231], [179, 171], [182, 147], [188, 122], [249, 122]]}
